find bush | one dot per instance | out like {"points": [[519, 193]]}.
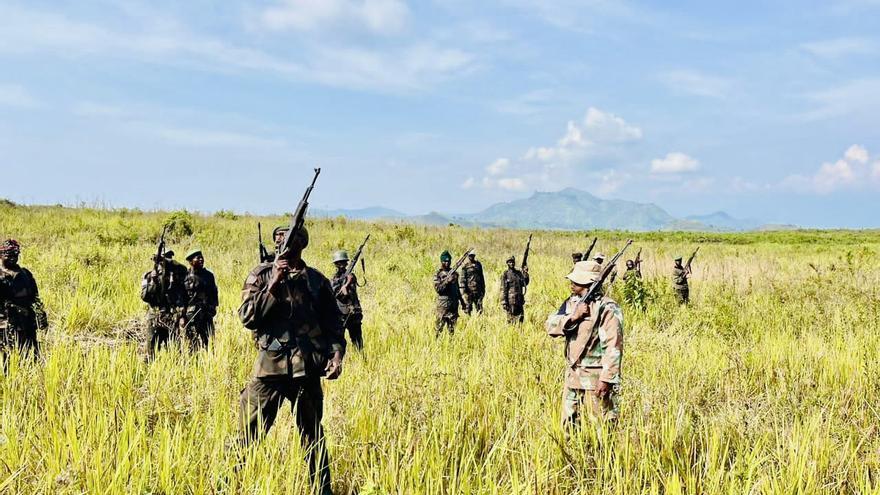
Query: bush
{"points": [[179, 225], [226, 214]]}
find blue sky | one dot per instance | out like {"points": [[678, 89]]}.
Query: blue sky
{"points": [[762, 109]]}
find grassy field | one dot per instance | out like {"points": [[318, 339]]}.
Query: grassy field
{"points": [[767, 383]]}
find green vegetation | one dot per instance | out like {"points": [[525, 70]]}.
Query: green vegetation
{"points": [[767, 383]]}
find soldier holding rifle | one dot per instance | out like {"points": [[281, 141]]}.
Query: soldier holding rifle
{"points": [[345, 286], [448, 293], [513, 287], [680, 278], [21, 311]]}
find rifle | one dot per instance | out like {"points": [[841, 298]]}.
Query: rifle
{"points": [[687, 267], [457, 265], [525, 260], [265, 257], [590, 249], [605, 273], [298, 219], [159, 261], [353, 264]]}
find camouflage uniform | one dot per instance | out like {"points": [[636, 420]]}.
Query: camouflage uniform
{"points": [[513, 299], [349, 306], [680, 284], [20, 309], [166, 295], [201, 307], [472, 286], [593, 351], [295, 335], [448, 297]]}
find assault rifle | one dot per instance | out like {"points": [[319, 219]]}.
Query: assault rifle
{"points": [[525, 260], [590, 249], [456, 266], [265, 257], [298, 219], [637, 264], [687, 266], [353, 264], [159, 260], [609, 267]]}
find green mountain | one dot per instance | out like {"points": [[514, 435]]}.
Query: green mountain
{"points": [[573, 209]]}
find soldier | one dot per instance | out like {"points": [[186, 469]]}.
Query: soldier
{"points": [[472, 284], [513, 287], [21, 311], [680, 277], [593, 332], [631, 271], [292, 312], [202, 301], [576, 257], [448, 295], [347, 299], [163, 289]]}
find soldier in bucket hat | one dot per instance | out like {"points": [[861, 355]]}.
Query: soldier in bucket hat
{"points": [[593, 332]]}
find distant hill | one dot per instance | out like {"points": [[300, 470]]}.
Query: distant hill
{"points": [[573, 209], [722, 221], [568, 209]]}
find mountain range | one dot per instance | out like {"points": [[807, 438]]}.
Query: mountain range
{"points": [[568, 209]]}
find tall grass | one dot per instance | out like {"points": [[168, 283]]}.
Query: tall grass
{"points": [[766, 383]]}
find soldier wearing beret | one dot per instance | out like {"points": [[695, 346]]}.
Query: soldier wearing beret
{"points": [[201, 301], [21, 312], [593, 332], [162, 288], [448, 295], [291, 309], [513, 288]]}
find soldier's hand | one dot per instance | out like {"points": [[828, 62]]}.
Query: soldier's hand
{"points": [[602, 389], [581, 311], [280, 269], [334, 366]]}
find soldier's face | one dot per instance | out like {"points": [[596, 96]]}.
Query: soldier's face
{"points": [[578, 290], [445, 264], [9, 257], [341, 265], [630, 264], [510, 264], [197, 261]]}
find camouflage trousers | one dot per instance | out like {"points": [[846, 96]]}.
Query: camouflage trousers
{"points": [[198, 328], [163, 325], [473, 301], [353, 322], [575, 401], [446, 320], [259, 404], [515, 313], [683, 295]]}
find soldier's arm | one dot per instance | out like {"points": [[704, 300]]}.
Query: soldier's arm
{"points": [[149, 289], [558, 322], [439, 283], [612, 341], [213, 293], [330, 318], [256, 301]]}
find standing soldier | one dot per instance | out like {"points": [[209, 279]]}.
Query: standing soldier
{"points": [[292, 312], [576, 257], [448, 295], [345, 288], [593, 332], [163, 289], [631, 271], [472, 284], [202, 301], [21, 311], [680, 276], [513, 288]]}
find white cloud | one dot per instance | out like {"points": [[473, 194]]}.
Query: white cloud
{"points": [[841, 47], [855, 97], [498, 166], [401, 68], [856, 154], [697, 83], [512, 184], [469, 183], [674, 163], [850, 172], [12, 95], [607, 127], [376, 16]]}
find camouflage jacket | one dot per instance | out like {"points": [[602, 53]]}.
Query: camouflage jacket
{"points": [[167, 291], [680, 278], [18, 295], [448, 293], [297, 333], [593, 346], [350, 302], [513, 285], [201, 292], [472, 281]]}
